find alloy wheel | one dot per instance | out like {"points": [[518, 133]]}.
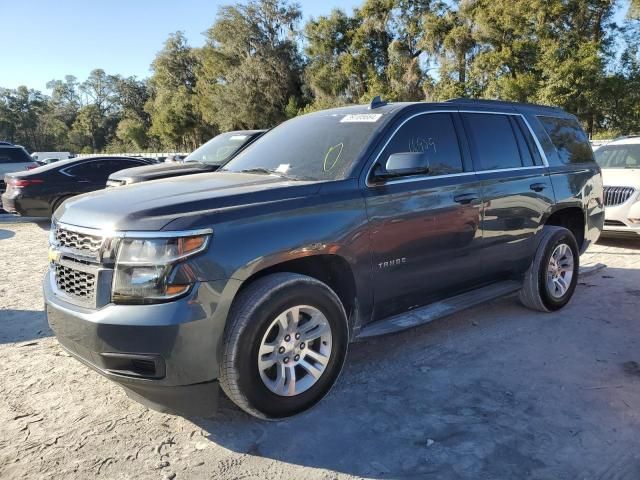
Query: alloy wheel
{"points": [[295, 350]]}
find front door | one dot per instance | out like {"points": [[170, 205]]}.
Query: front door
{"points": [[425, 230]]}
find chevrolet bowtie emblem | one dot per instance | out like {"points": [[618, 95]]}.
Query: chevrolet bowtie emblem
{"points": [[54, 255]]}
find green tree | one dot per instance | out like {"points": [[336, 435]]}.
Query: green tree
{"points": [[251, 66], [175, 119]]}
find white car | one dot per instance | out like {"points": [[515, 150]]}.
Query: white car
{"points": [[13, 158], [620, 163], [40, 156]]}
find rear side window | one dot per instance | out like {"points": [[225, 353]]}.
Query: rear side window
{"points": [[569, 139], [14, 155], [432, 134], [493, 141], [101, 169]]}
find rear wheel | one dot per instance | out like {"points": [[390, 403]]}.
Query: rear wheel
{"points": [[552, 277], [284, 346]]}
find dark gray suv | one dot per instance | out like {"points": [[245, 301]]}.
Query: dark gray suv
{"points": [[336, 226]]}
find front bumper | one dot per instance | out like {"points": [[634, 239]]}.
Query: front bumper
{"points": [[618, 218], [164, 355]]}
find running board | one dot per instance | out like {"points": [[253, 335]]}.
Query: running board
{"points": [[434, 311]]}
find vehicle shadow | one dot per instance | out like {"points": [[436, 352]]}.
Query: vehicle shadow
{"points": [[476, 395], [404, 404], [620, 242], [5, 234], [23, 326]]}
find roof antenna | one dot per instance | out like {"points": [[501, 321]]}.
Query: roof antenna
{"points": [[376, 102]]}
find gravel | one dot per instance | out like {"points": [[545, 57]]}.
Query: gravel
{"points": [[494, 392]]}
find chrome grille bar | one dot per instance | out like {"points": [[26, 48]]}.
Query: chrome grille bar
{"points": [[617, 195]]}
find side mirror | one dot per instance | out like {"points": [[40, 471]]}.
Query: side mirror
{"points": [[405, 164]]}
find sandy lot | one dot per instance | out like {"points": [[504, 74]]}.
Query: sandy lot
{"points": [[496, 392]]}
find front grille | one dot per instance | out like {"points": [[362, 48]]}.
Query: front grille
{"points": [[617, 195], [82, 242], [81, 285]]}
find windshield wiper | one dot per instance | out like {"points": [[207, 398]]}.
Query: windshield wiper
{"points": [[265, 171]]}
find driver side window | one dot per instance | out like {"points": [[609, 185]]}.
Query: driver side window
{"points": [[432, 134]]}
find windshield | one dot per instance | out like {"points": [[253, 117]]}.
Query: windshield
{"points": [[310, 147], [218, 150], [618, 156]]}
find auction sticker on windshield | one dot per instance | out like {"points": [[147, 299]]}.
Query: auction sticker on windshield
{"points": [[361, 117]]}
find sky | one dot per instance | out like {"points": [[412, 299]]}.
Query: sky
{"points": [[42, 40]]}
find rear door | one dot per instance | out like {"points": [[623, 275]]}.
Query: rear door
{"points": [[424, 229], [516, 189]]}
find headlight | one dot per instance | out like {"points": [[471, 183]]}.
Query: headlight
{"points": [[149, 270]]}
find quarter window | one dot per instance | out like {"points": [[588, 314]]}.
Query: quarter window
{"points": [[569, 139], [432, 134], [492, 140]]}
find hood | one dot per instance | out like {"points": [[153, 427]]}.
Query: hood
{"points": [[621, 177], [160, 170], [153, 205]]}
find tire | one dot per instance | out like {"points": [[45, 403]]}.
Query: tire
{"points": [[537, 293], [253, 322]]}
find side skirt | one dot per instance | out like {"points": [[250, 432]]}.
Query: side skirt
{"points": [[443, 308]]}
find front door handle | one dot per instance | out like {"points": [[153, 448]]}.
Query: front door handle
{"points": [[538, 187], [466, 198]]}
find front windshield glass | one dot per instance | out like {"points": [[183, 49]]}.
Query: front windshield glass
{"points": [[618, 156], [218, 150], [310, 147]]}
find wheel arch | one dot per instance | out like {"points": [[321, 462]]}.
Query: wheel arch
{"points": [[331, 269], [573, 219]]}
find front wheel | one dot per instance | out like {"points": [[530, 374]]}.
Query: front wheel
{"points": [[552, 277], [284, 345]]}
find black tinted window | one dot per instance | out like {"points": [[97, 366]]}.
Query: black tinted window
{"points": [[523, 147], [432, 134], [101, 169], [569, 139], [528, 137], [492, 140], [14, 155]]}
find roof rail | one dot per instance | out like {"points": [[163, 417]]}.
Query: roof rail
{"points": [[482, 101], [6, 143], [377, 102]]}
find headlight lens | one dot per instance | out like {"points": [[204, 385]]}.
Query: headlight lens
{"points": [[149, 270]]}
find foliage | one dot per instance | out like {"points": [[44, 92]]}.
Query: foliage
{"points": [[259, 66]]}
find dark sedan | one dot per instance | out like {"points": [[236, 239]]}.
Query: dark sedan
{"points": [[38, 192], [207, 158]]}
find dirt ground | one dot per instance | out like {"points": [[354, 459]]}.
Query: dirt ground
{"points": [[498, 392]]}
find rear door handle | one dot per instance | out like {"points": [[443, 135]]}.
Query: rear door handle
{"points": [[538, 187], [466, 198]]}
